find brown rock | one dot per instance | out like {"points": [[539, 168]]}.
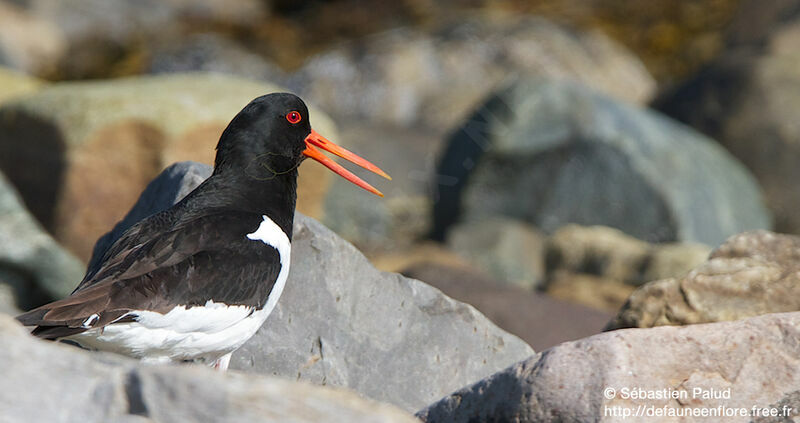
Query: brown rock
{"points": [[611, 254], [420, 254], [597, 292], [540, 320], [599, 251], [753, 273], [80, 153]]}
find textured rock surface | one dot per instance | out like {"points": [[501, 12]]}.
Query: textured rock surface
{"points": [[30, 260], [745, 99], [583, 158], [407, 77], [790, 401], [754, 358], [341, 322], [96, 145], [750, 274], [13, 84], [91, 387], [508, 250]]}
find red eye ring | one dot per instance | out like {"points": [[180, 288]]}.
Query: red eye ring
{"points": [[294, 117]]}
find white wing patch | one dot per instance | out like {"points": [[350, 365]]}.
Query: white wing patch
{"points": [[271, 234], [209, 331]]}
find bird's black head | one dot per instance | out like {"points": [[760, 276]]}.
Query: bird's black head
{"points": [[272, 135], [266, 138]]}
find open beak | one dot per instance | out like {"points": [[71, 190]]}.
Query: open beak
{"points": [[314, 140]]}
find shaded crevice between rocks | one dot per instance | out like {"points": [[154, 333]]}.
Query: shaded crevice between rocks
{"points": [[135, 395], [322, 361]]}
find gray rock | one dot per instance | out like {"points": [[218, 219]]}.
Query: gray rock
{"points": [[410, 77], [745, 99], [752, 273], [749, 363], [30, 260], [403, 217], [555, 153], [45, 381], [508, 250], [341, 322]]}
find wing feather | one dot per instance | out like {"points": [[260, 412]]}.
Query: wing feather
{"points": [[201, 259]]}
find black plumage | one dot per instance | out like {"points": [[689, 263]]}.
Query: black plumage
{"points": [[197, 250]]}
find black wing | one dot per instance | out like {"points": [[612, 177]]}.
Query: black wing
{"points": [[207, 257]]}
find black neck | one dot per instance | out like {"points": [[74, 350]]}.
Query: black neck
{"points": [[274, 197]]}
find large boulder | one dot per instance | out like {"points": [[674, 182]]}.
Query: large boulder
{"points": [[341, 322], [415, 77], [80, 386], [31, 262], [751, 274], [553, 153], [95, 145], [724, 368], [746, 99]]}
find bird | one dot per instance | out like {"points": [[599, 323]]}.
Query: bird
{"points": [[197, 280]]}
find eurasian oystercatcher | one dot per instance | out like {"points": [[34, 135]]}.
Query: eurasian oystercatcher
{"points": [[196, 281]]}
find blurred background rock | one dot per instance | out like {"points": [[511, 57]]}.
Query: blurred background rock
{"points": [[554, 162]]}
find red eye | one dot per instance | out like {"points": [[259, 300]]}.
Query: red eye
{"points": [[293, 117]]}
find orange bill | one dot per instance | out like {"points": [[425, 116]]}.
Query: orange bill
{"points": [[314, 140]]}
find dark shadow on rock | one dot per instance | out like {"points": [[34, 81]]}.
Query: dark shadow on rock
{"points": [[461, 155], [32, 157]]}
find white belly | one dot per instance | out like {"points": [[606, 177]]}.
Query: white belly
{"points": [[202, 332]]}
